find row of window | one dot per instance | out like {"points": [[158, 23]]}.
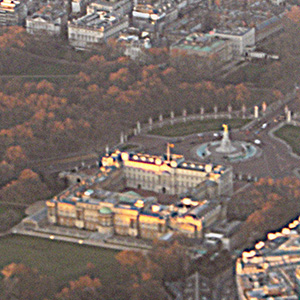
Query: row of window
{"points": [[85, 37]]}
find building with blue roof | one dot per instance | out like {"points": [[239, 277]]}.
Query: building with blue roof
{"points": [[89, 205], [205, 46]]}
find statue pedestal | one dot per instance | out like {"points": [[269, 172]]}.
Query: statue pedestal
{"points": [[226, 146]]}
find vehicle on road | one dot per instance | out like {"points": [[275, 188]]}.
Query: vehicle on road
{"points": [[264, 126], [257, 142]]}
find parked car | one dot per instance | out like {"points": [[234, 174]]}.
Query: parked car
{"points": [[257, 142]]}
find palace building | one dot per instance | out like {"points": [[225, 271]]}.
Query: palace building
{"points": [[129, 214], [89, 205], [169, 174]]}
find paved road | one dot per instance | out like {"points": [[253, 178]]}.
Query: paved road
{"points": [[275, 159]]}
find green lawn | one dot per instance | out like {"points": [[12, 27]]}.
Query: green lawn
{"points": [[290, 134], [60, 260], [182, 129]]}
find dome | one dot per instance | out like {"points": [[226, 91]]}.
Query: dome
{"points": [[105, 210]]}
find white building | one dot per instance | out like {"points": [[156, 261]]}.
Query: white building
{"points": [[47, 19], [171, 175], [77, 6], [278, 2], [94, 28], [12, 13], [155, 17], [241, 37], [121, 7]]}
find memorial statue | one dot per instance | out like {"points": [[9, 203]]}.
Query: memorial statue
{"points": [[225, 126], [226, 146]]}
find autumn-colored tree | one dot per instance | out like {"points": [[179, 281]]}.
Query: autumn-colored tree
{"points": [[28, 188], [7, 172], [85, 288], [268, 205], [242, 94], [15, 155], [21, 282]]}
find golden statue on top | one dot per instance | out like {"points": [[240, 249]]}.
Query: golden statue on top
{"points": [[225, 126]]}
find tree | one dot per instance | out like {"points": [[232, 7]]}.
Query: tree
{"points": [[84, 288], [23, 283], [15, 155], [28, 188]]}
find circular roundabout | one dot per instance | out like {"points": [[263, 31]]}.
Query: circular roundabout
{"points": [[227, 150]]}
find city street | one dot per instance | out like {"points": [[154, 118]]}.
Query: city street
{"points": [[274, 160]]}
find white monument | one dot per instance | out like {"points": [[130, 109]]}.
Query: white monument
{"points": [[226, 146]]}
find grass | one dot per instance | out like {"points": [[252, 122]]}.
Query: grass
{"points": [[50, 68], [60, 260], [291, 135], [191, 127], [129, 147]]}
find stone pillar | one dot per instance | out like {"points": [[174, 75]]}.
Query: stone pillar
{"points": [[256, 112], [150, 121], [138, 127], [134, 131], [184, 114], [264, 107], [286, 109], [125, 137], [160, 119], [289, 116], [122, 138], [106, 149], [202, 112], [229, 111], [243, 111], [172, 117], [215, 111]]}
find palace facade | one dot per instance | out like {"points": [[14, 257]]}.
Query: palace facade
{"points": [[170, 174], [89, 205]]}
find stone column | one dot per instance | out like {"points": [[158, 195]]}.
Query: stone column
{"points": [[138, 127], [184, 114], [229, 111], [243, 111], [134, 131], [202, 112], [264, 107], [172, 117], [160, 119], [150, 123], [256, 112], [215, 110], [286, 109], [106, 149], [289, 116], [122, 138]]}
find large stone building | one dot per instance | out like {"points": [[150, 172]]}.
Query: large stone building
{"points": [[241, 37], [95, 28], [171, 174], [204, 45], [129, 214], [47, 20], [12, 13], [121, 7], [87, 205]]}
